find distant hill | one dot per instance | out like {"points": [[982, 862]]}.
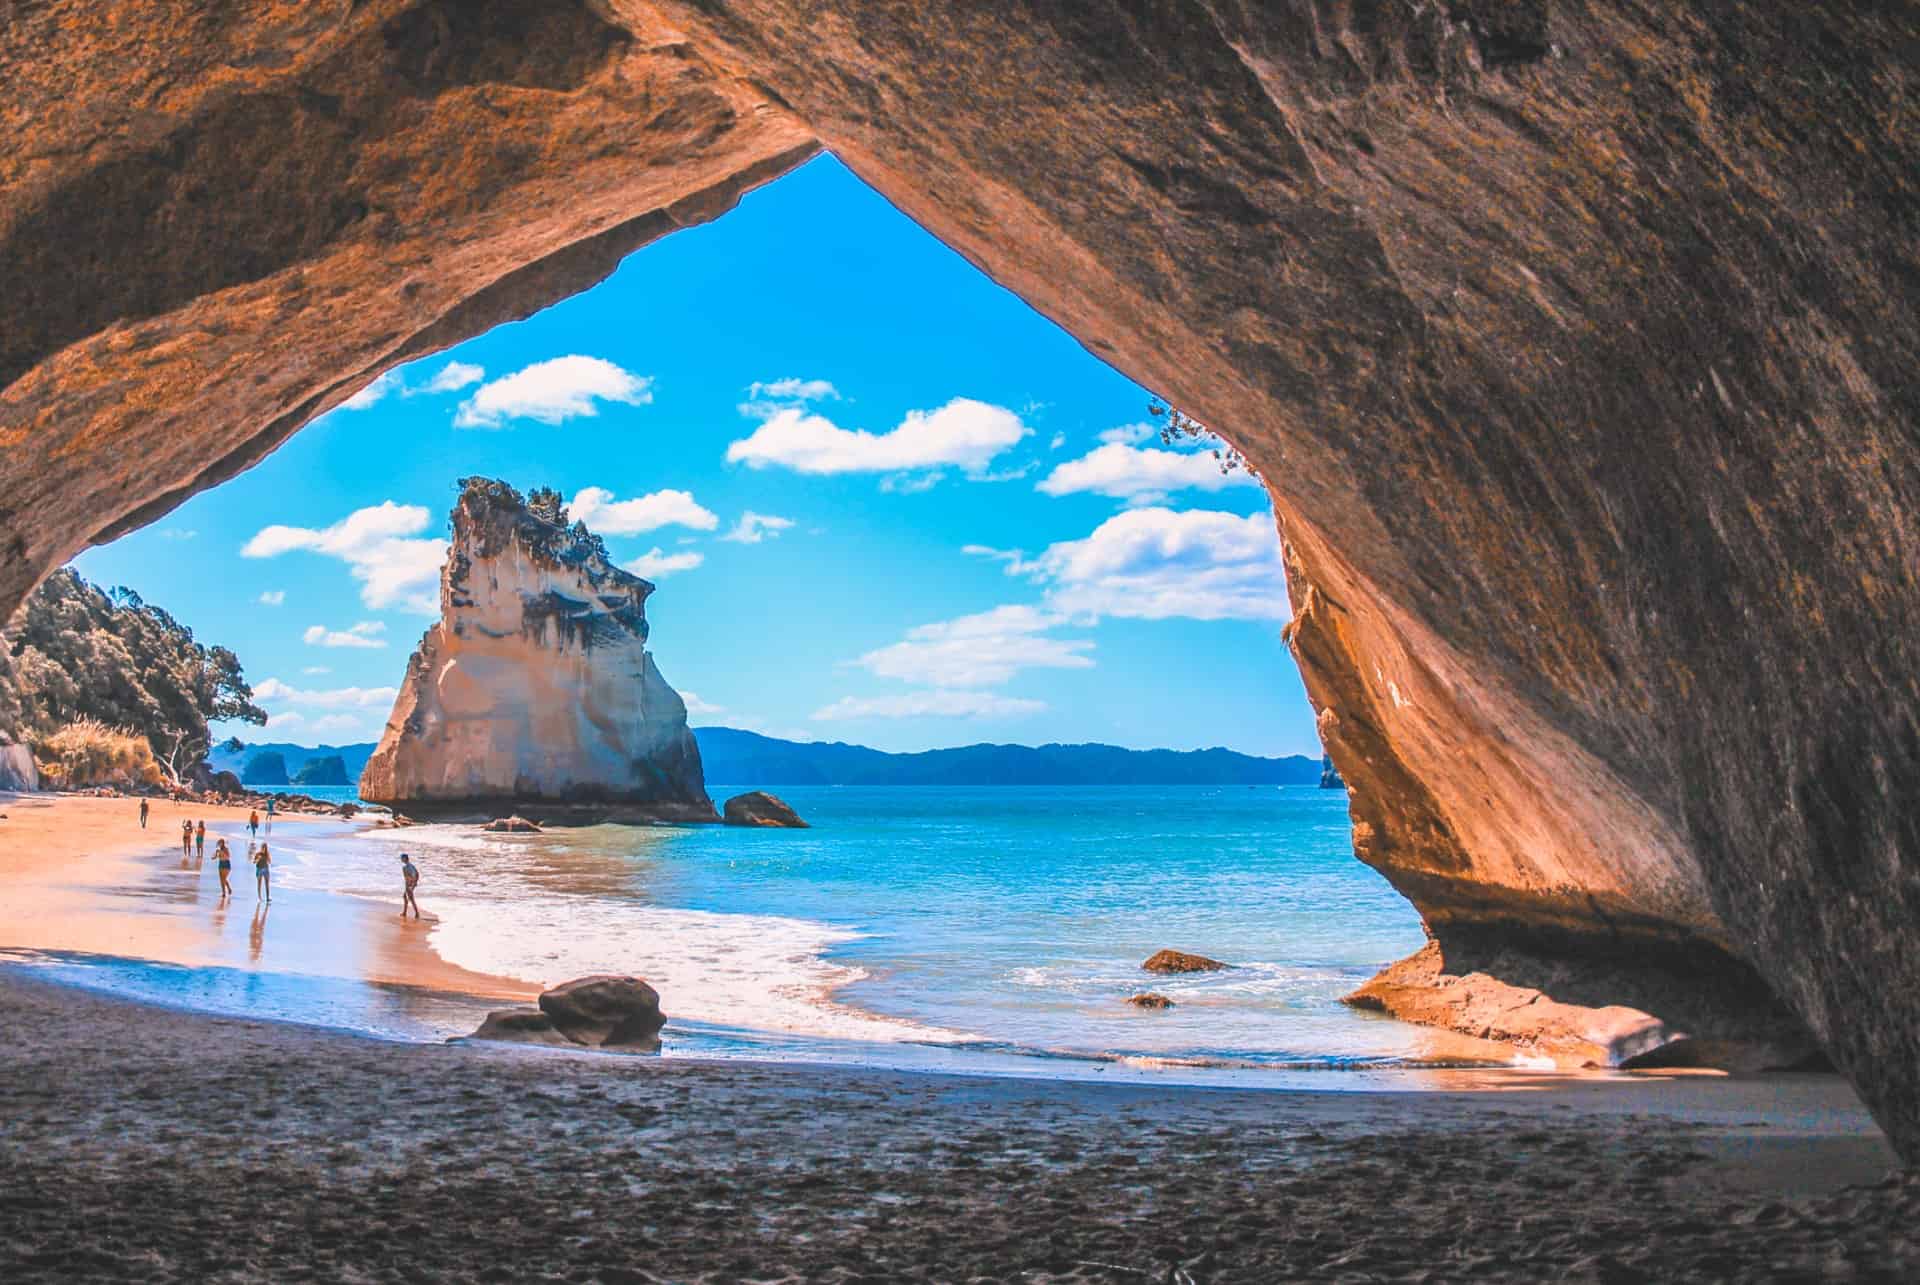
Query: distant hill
{"points": [[329, 769], [732, 757], [224, 758], [265, 767]]}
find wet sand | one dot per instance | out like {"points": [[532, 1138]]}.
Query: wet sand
{"points": [[167, 1144], [79, 874]]}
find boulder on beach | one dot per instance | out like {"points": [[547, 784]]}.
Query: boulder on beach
{"points": [[511, 825], [520, 1026], [1149, 999], [605, 1011], [758, 808], [1179, 961]]}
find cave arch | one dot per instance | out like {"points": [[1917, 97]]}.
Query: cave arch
{"points": [[1575, 342]]}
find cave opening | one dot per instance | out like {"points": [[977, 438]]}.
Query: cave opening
{"points": [[882, 502]]}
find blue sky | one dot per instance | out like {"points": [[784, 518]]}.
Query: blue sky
{"points": [[883, 500]]}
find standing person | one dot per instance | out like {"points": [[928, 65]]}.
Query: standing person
{"points": [[263, 874], [186, 838], [411, 875], [200, 839], [253, 824], [143, 814], [224, 857]]}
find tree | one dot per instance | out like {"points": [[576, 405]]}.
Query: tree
{"points": [[73, 652]]}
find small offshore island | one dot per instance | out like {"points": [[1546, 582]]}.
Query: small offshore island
{"points": [[534, 695]]}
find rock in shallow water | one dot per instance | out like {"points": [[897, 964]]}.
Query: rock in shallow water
{"points": [[605, 1011], [758, 808], [1149, 999], [1179, 961], [520, 1026]]}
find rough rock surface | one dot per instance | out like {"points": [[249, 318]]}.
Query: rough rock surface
{"points": [[520, 1026], [17, 768], [511, 825], [605, 1011], [1179, 961], [535, 693], [1589, 1013], [758, 808], [1574, 341], [1149, 999]]}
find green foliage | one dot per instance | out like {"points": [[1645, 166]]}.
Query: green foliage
{"points": [[74, 653]]}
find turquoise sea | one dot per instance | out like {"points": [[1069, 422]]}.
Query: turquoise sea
{"points": [[998, 929]]}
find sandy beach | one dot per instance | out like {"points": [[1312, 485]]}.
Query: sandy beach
{"points": [[169, 1144]]}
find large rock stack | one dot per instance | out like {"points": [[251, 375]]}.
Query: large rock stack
{"points": [[535, 694]]}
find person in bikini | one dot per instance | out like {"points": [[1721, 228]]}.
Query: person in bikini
{"points": [[411, 875], [263, 873], [225, 859], [186, 838], [200, 839]]}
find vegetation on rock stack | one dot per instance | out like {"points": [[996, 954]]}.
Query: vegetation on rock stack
{"points": [[80, 665]]}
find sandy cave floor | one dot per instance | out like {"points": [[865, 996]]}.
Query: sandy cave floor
{"points": [[141, 1142]]}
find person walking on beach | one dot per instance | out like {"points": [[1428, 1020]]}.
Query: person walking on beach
{"points": [[253, 824], [186, 838], [411, 875], [200, 839], [224, 857], [143, 814], [263, 874]]}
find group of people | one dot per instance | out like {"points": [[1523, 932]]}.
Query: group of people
{"points": [[193, 844]]}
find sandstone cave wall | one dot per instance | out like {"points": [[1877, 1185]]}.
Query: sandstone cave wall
{"points": [[1574, 340]]}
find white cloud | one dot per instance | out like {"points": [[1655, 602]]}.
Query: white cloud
{"points": [[178, 533], [316, 669], [1129, 434], [910, 483], [553, 392], [698, 708], [275, 692], [1141, 474], [655, 563], [932, 704], [331, 724], [596, 506], [373, 393], [392, 570], [964, 434], [1156, 563], [753, 527], [988, 551], [981, 650], [273, 597], [794, 390], [364, 634], [451, 378], [1055, 442]]}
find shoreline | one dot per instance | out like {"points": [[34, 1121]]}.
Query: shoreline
{"points": [[166, 1144]]}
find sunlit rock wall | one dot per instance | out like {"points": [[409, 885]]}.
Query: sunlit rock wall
{"points": [[535, 692]]}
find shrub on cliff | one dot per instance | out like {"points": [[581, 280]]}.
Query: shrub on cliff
{"points": [[74, 653], [87, 752]]}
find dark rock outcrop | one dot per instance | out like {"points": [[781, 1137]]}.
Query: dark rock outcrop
{"points": [[521, 1026], [328, 769], [571, 721], [758, 808], [1330, 778], [1150, 999], [1179, 961], [267, 768], [605, 1011], [1574, 342]]}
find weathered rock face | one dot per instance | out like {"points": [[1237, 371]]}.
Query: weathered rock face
{"points": [[1574, 341], [17, 768], [1180, 961], [535, 693], [758, 808]]}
